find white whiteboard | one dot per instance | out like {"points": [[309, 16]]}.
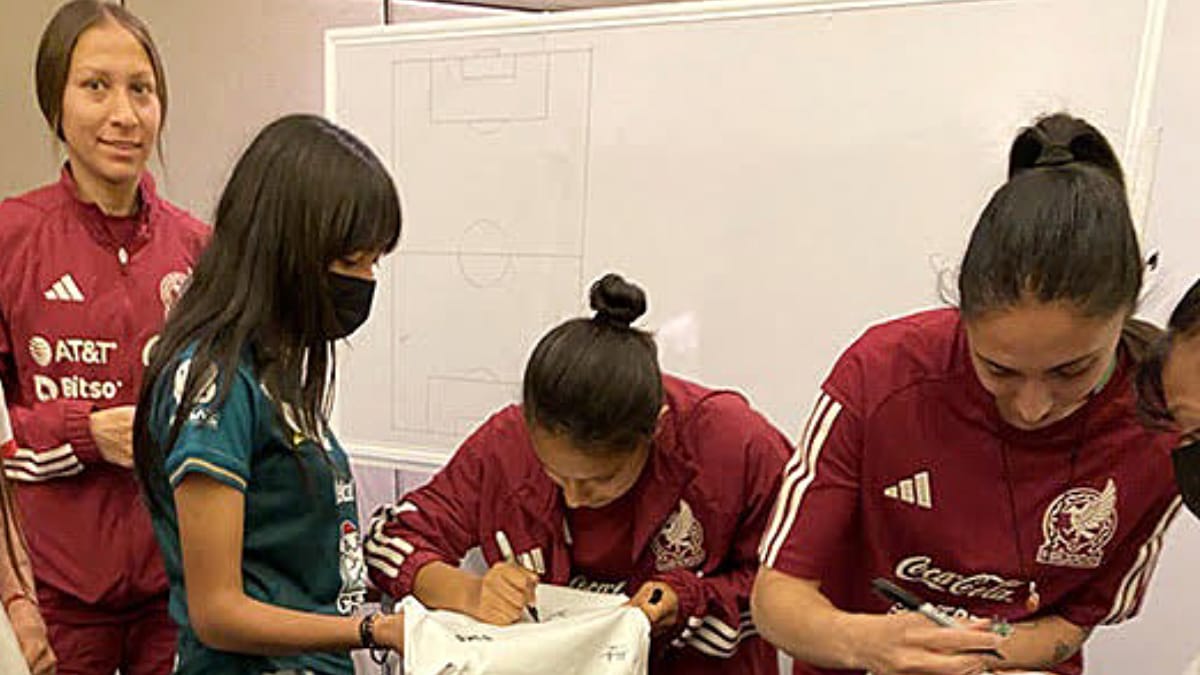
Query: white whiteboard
{"points": [[777, 176]]}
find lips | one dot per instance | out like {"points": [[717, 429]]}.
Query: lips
{"points": [[129, 147]]}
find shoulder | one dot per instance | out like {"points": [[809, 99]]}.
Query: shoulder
{"points": [[916, 339], [502, 428], [719, 426], [896, 354], [693, 404], [192, 230], [500, 449], [242, 385], [22, 212]]}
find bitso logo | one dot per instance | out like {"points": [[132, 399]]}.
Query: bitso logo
{"points": [[44, 388], [40, 350], [1077, 525], [75, 388]]}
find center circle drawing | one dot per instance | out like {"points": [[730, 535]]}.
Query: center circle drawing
{"points": [[484, 254]]}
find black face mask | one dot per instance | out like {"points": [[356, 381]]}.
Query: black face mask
{"points": [[351, 298], [1187, 475]]}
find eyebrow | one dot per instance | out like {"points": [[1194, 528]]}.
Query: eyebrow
{"points": [[88, 69], [1061, 366]]}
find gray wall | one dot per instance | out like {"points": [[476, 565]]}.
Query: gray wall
{"points": [[30, 157], [232, 66]]}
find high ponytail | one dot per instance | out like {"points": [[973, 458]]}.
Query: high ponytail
{"points": [[1058, 230]]}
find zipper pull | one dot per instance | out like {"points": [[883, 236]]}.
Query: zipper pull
{"points": [[122, 256]]}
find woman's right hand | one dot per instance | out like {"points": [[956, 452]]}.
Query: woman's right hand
{"points": [[503, 593], [910, 644], [112, 430]]}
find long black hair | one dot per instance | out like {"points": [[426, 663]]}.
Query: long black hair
{"points": [[597, 380], [1184, 323], [304, 194]]}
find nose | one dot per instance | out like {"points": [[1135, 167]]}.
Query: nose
{"points": [[1033, 403], [122, 112]]}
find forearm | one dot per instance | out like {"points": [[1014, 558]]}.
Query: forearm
{"points": [[441, 586], [793, 615], [1040, 644], [10, 579], [237, 623], [19, 579], [221, 614]]}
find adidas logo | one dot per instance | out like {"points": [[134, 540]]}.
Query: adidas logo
{"points": [[64, 290], [914, 490]]}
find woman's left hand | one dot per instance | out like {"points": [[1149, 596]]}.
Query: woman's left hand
{"points": [[663, 613]]}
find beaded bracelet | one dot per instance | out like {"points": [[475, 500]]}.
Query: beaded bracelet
{"points": [[366, 631], [366, 637]]}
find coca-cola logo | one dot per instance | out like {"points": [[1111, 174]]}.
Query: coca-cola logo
{"points": [[981, 586]]}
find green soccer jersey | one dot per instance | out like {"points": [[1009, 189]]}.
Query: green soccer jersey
{"points": [[301, 546]]}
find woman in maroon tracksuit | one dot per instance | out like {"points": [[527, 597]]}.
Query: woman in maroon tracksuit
{"points": [[610, 477], [91, 264]]}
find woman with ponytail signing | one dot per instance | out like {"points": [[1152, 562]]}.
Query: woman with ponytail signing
{"points": [[987, 458], [609, 476]]}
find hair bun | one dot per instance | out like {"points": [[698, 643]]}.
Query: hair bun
{"points": [[617, 300], [1060, 139]]}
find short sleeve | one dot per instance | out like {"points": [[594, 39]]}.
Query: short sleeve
{"points": [[819, 496], [218, 437]]}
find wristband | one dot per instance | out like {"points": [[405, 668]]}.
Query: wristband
{"points": [[366, 632]]}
